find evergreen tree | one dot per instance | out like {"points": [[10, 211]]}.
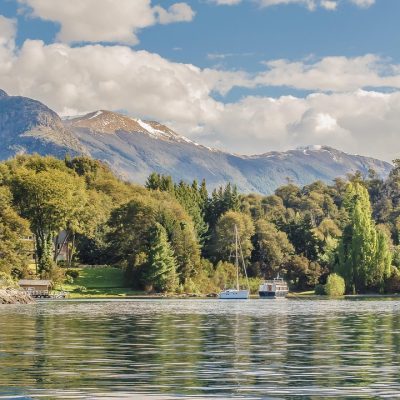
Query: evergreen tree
{"points": [[160, 272], [203, 193], [153, 181], [364, 259], [186, 251]]}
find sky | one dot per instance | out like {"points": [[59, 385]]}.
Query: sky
{"points": [[244, 76]]}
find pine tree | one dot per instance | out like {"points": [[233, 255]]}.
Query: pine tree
{"points": [[203, 193], [153, 181], [160, 272]]}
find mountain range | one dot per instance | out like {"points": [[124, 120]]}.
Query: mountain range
{"points": [[134, 148]]}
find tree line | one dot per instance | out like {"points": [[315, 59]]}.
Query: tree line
{"points": [[176, 236]]}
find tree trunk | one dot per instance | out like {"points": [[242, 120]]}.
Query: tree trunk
{"points": [[71, 252]]}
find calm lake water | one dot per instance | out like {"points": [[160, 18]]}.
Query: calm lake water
{"points": [[168, 349]]}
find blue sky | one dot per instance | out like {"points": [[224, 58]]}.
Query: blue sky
{"points": [[247, 77]]}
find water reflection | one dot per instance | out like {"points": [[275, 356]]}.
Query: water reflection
{"points": [[201, 348]]}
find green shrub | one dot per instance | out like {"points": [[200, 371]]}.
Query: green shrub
{"points": [[335, 285], [80, 289], [392, 284], [6, 280], [73, 273], [190, 287], [254, 284], [320, 290]]}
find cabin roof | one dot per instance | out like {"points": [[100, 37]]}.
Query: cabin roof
{"points": [[34, 282]]}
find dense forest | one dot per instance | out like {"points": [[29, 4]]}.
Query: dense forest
{"points": [[178, 237]]}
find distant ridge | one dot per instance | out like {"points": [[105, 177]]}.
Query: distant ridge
{"points": [[134, 148]]}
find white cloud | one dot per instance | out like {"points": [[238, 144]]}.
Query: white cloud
{"points": [[178, 12], [226, 2], [363, 3], [310, 4], [82, 79], [331, 74], [111, 77], [8, 29], [104, 20], [358, 122], [329, 4]]}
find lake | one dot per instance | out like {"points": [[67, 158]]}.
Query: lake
{"points": [[168, 349]]}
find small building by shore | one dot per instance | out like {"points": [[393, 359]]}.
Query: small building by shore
{"points": [[36, 287]]}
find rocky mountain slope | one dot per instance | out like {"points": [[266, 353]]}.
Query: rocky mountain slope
{"points": [[27, 125], [134, 148]]}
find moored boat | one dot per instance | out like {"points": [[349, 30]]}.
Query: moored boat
{"points": [[274, 289], [237, 294], [234, 294]]}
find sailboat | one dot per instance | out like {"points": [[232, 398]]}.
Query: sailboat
{"points": [[237, 294]]}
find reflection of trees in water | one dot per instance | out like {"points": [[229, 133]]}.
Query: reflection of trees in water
{"points": [[342, 351], [180, 353]]}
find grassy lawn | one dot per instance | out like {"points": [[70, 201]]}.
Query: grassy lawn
{"points": [[301, 294], [99, 282], [106, 292], [100, 277]]}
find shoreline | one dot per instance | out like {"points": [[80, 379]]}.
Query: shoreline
{"points": [[291, 296], [15, 296]]}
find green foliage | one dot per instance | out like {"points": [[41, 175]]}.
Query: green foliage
{"points": [[303, 237], [177, 229], [271, 249], [134, 221], [73, 273], [225, 275], [80, 289], [14, 250], [225, 235], [392, 284], [364, 257], [192, 198], [335, 285], [222, 200], [320, 290], [302, 273], [55, 274], [160, 271], [51, 200], [6, 281]]}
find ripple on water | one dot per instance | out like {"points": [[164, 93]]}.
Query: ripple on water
{"points": [[201, 349]]}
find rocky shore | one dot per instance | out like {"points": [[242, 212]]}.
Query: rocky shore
{"points": [[14, 296]]}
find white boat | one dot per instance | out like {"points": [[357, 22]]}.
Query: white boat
{"points": [[237, 294], [274, 289], [234, 294]]}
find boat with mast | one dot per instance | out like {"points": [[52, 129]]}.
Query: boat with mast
{"points": [[236, 294]]}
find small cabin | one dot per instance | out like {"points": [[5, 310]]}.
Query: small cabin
{"points": [[39, 288]]}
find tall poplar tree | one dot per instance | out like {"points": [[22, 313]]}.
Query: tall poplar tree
{"points": [[364, 258]]}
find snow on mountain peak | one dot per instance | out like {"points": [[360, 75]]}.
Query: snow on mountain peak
{"points": [[311, 147], [109, 122], [96, 114]]}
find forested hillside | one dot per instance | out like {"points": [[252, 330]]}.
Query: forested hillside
{"points": [[177, 237]]}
